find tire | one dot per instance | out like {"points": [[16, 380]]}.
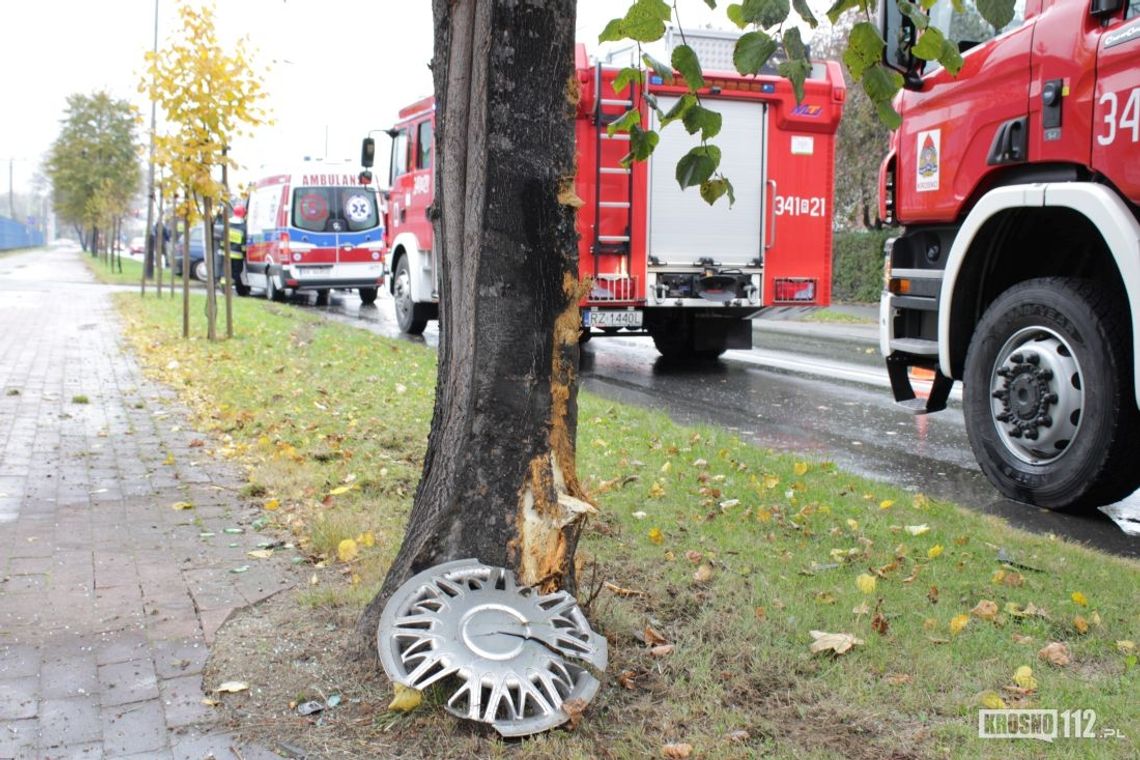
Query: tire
{"points": [[198, 271], [322, 298], [1049, 401], [368, 295], [272, 292], [409, 314], [675, 340]]}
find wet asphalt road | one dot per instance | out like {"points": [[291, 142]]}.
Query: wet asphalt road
{"points": [[802, 389]]}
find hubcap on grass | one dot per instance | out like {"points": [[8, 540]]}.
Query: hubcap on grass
{"points": [[503, 653]]}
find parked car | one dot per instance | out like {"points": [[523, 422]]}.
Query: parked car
{"points": [[137, 245], [197, 256]]}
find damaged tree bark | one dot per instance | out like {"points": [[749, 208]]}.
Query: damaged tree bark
{"points": [[499, 482]]}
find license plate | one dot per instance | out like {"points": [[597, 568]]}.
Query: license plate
{"points": [[624, 318]]}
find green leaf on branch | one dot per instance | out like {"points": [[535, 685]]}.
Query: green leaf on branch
{"points": [[663, 70], [711, 4], [915, 14], [685, 61], [864, 49], [881, 84], [951, 58], [765, 13], [752, 51], [805, 13], [713, 189], [625, 76], [645, 20], [679, 109], [797, 68], [641, 145], [698, 165], [998, 12], [701, 118], [888, 115], [614, 31], [929, 45], [625, 123], [735, 13], [842, 6]]}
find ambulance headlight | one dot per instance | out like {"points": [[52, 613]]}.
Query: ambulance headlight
{"points": [[376, 255], [296, 257]]}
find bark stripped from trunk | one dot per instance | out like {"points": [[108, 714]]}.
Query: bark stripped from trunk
{"points": [[499, 480]]}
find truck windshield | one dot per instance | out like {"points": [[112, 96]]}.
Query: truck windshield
{"points": [[334, 209], [966, 27]]}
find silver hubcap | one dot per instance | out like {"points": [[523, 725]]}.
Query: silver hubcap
{"points": [[403, 291], [1037, 395], [503, 653]]}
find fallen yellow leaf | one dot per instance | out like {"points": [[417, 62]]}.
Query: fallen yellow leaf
{"points": [[886, 503], [771, 481], [865, 583], [704, 574], [367, 539], [656, 536], [232, 687], [656, 491], [1127, 646], [958, 622], [1055, 653], [1023, 677], [852, 524], [340, 490], [347, 550], [181, 505], [1081, 625], [261, 553], [985, 609], [839, 643], [934, 551], [676, 751], [406, 698], [1080, 599], [991, 701], [271, 505], [800, 468]]}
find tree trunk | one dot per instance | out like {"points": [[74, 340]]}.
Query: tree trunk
{"points": [[186, 273], [211, 275], [499, 481]]}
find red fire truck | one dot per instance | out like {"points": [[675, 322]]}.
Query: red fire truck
{"points": [[662, 262], [1018, 271]]}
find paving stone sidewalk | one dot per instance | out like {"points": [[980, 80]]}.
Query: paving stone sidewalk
{"points": [[109, 598]]}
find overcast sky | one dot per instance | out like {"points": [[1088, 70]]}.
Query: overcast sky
{"points": [[335, 68]]}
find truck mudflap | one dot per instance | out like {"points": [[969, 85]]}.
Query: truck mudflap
{"points": [[713, 332], [898, 371]]}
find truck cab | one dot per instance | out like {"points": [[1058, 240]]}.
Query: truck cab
{"points": [[1017, 182]]}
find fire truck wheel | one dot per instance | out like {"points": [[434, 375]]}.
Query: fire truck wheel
{"points": [[322, 298], [367, 295], [1049, 402], [409, 314]]}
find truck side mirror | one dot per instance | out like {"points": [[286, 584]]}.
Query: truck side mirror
{"points": [[901, 35], [368, 153], [1105, 7]]}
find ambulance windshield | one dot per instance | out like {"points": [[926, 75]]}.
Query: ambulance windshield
{"points": [[334, 209]]}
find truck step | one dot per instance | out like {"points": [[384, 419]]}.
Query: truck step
{"points": [[613, 170], [614, 204], [915, 346]]}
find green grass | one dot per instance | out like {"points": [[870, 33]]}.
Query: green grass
{"points": [[732, 553], [831, 316], [108, 272]]}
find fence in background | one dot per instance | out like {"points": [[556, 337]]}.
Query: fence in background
{"points": [[16, 235]]}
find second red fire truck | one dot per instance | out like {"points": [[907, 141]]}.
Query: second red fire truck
{"points": [[662, 262]]}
